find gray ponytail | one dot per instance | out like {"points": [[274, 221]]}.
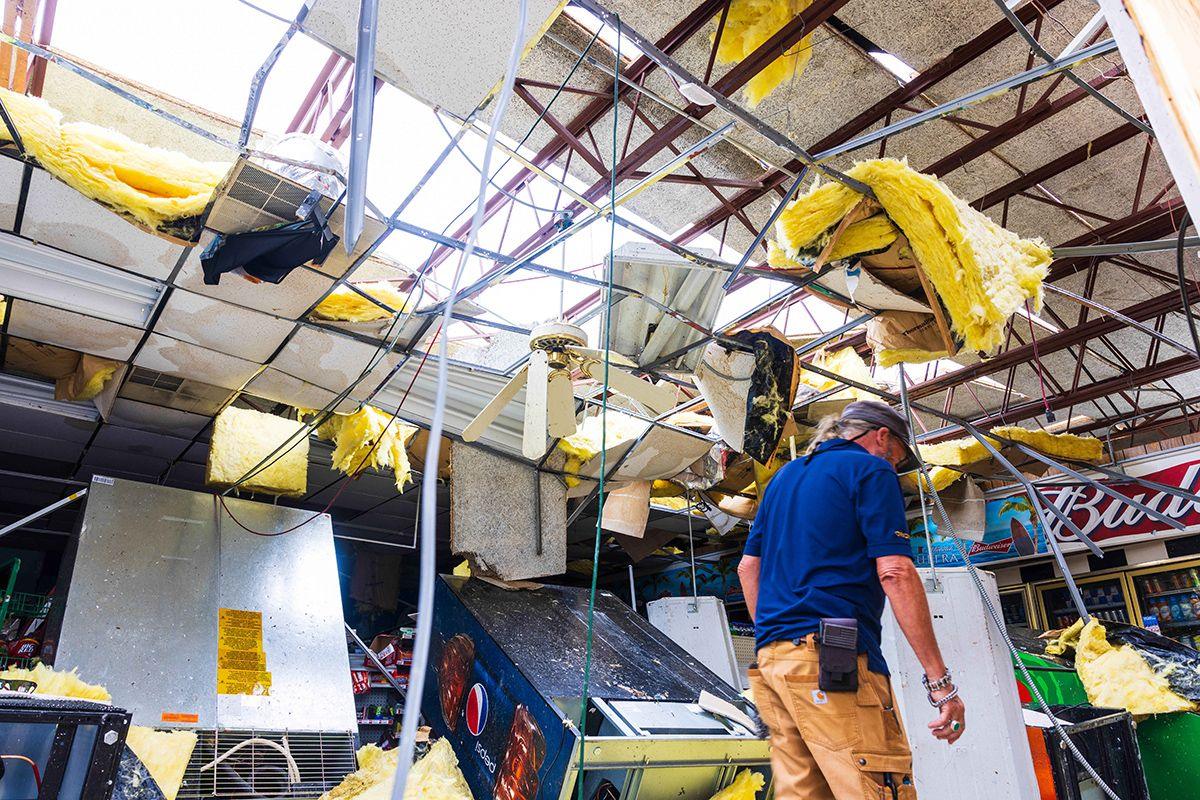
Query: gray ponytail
{"points": [[832, 427]]}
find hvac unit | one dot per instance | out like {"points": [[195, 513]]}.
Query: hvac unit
{"points": [[192, 622]]}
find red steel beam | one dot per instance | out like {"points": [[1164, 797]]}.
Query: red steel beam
{"points": [[1123, 382], [593, 111], [1152, 222], [957, 59], [1057, 166], [1100, 326], [1022, 122]]}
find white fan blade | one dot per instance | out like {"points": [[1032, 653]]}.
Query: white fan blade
{"points": [[613, 356], [487, 416], [561, 403], [656, 398], [533, 444]]}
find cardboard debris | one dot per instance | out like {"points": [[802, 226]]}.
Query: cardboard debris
{"points": [[981, 272], [626, 510]]}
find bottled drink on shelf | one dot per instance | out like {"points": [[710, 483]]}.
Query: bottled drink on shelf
{"points": [[1164, 611], [1176, 610]]}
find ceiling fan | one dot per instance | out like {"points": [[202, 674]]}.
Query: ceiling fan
{"points": [[559, 348]]}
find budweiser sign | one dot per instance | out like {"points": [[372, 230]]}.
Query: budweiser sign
{"points": [[1013, 530], [1102, 517]]}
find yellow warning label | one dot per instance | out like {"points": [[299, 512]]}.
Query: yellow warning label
{"points": [[241, 660]]}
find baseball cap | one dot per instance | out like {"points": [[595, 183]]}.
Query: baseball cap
{"points": [[882, 415]]}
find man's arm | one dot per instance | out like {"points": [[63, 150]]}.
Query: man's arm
{"points": [[902, 584], [748, 575]]}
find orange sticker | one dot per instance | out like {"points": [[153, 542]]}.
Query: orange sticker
{"points": [[171, 716]]}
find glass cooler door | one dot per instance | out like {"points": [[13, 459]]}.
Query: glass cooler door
{"points": [[1169, 596], [1105, 597], [1015, 605]]}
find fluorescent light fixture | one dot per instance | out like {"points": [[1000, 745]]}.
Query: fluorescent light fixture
{"points": [[51, 277], [903, 72], [26, 393]]}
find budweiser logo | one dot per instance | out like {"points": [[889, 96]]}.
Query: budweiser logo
{"points": [[1102, 517], [998, 546]]}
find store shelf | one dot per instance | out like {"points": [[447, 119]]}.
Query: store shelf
{"points": [[1093, 609], [1180, 623], [1192, 590], [377, 722]]}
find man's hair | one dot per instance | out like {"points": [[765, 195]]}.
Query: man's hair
{"points": [[832, 427]]}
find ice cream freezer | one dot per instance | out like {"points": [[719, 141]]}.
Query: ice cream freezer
{"points": [[506, 688]]}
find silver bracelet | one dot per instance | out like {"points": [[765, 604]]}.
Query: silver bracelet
{"points": [[940, 683], [939, 703]]}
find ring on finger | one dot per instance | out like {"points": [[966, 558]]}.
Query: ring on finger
{"points": [[956, 725]]}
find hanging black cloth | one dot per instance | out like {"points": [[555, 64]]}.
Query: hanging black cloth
{"points": [[269, 254]]}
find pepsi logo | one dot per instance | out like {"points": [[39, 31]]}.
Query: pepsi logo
{"points": [[477, 709]]}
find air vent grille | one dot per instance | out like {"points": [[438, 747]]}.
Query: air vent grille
{"points": [[260, 770]]}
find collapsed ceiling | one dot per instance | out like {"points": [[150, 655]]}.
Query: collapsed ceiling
{"points": [[1045, 159]]}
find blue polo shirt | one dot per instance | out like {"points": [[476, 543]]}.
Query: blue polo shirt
{"points": [[821, 524]]}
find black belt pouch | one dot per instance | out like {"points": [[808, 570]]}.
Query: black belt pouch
{"points": [[838, 655]]}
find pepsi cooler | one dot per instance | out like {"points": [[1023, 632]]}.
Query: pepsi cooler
{"points": [[506, 689]]}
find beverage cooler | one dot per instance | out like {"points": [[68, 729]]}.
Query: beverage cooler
{"points": [[1016, 604], [1106, 597], [506, 685], [1169, 595]]}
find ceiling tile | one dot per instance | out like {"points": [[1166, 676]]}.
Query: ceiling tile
{"points": [[100, 337], [222, 326], [333, 361], [164, 354], [57, 215], [289, 299], [272, 384]]}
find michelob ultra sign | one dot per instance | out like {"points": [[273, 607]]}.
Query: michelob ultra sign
{"points": [[1014, 531]]}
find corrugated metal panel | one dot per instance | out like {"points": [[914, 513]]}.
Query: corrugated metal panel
{"points": [[642, 331]]}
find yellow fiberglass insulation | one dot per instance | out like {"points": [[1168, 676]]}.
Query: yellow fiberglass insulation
{"points": [[584, 444], [1118, 676], [956, 452], [346, 305], [745, 786], [59, 684], [870, 235], [845, 362], [890, 357], [369, 438], [165, 754], [1067, 640], [243, 437], [149, 184], [941, 477], [1062, 445], [748, 25], [981, 272], [435, 777]]}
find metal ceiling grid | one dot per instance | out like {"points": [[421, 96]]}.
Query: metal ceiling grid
{"points": [[971, 48]]}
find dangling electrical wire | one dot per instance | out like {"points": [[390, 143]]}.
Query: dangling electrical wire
{"points": [[428, 496], [993, 614], [604, 346]]}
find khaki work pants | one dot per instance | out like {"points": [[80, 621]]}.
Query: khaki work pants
{"points": [[830, 745]]}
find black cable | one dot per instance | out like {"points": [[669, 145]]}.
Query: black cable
{"points": [[1183, 282]]}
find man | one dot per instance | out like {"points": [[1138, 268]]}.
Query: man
{"points": [[830, 540]]}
